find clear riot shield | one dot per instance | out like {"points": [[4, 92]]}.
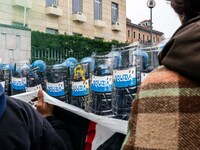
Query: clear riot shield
{"points": [[150, 55], [140, 59], [58, 79], [124, 81], [18, 79], [101, 86], [36, 75], [2, 80], [5, 77], [81, 83]]}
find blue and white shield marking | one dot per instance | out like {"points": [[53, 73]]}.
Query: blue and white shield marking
{"points": [[55, 89], [102, 84], [80, 88], [125, 78], [18, 83]]}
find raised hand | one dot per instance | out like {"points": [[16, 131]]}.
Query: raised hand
{"points": [[44, 108]]}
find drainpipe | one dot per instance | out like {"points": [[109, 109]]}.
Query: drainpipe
{"points": [[69, 21], [25, 6]]}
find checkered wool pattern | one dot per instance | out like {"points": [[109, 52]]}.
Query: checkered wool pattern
{"points": [[165, 114]]}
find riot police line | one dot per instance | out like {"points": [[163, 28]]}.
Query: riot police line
{"points": [[104, 84]]}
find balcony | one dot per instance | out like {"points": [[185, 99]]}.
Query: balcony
{"points": [[116, 27], [22, 3], [53, 10], [99, 23], [79, 17]]}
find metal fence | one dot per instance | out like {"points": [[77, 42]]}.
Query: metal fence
{"points": [[53, 56]]}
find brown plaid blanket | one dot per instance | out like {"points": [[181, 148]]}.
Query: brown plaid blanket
{"points": [[165, 114]]}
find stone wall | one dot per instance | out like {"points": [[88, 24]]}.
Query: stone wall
{"points": [[15, 44]]}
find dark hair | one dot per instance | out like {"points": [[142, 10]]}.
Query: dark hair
{"points": [[186, 8]]}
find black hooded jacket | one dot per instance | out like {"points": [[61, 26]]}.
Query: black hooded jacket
{"points": [[182, 52], [23, 128]]}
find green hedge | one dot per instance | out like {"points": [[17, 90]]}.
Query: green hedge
{"points": [[81, 46]]}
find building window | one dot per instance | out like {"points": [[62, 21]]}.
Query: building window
{"points": [[153, 39], [51, 31], [143, 37], [98, 9], [17, 24], [18, 42], [99, 38], [3, 40], [128, 33], [52, 3], [147, 38], [114, 13], [77, 6], [138, 35], [134, 35], [157, 39], [77, 34]]}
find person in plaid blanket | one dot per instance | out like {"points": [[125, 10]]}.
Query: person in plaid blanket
{"points": [[166, 110]]}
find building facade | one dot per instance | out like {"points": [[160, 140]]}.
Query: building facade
{"points": [[89, 18], [141, 33]]}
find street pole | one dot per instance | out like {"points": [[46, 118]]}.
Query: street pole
{"points": [[151, 4], [151, 26]]}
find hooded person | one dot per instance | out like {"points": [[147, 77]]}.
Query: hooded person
{"points": [[165, 112], [22, 127]]}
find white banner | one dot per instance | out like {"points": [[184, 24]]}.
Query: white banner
{"points": [[115, 125]]}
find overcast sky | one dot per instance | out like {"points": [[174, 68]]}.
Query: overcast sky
{"points": [[163, 16]]}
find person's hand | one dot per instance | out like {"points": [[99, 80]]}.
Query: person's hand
{"points": [[44, 108]]}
